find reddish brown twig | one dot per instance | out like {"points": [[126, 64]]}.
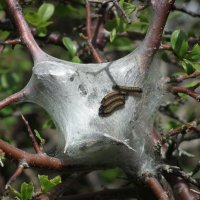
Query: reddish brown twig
{"points": [[181, 188], [117, 6], [182, 77], [15, 12], [94, 52], [12, 99], [44, 161], [11, 41], [165, 47], [17, 173], [179, 89], [177, 131], [156, 188], [193, 14], [35, 144]]}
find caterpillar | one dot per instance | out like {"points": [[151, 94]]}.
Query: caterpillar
{"points": [[127, 89], [113, 99], [109, 109]]}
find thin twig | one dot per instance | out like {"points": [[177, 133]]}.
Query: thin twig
{"points": [[94, 52], [182, 77], [180, 89], [17, 173], [11, 42], [181, 9], [176, 131], [35, 144]]}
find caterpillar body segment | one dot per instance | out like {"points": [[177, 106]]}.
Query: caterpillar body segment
{"points": [[127, 88]]}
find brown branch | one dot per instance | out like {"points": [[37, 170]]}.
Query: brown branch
{"points": [[15, 12], [35, 144], [156, 188], [179, 89], [152, 40], [44, 161], [11, 41], [181, 188], [12, 99], [182, 77], [103, 195], [168, 169], [181, 9], [94, 52], [182, 129], [17, 173]]}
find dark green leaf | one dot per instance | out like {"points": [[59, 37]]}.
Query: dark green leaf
{"points": [[179, 43], [187, 66], [195, 53], [117, 24]]}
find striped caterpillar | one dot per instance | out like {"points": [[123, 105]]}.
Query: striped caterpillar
{"points": [[116, 99]]}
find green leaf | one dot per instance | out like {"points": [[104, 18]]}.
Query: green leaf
{"points": [[113, 34], [27, 190], [195, 53], [47, 184], [70, 46], [196, 66], [37, 134], [129, 8], [45, 11], [116, 23], [187, 66], [179, 43], [76, 59]]}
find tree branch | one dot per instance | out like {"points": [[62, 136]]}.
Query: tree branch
{"points": [[89, 38], [156, 188], [44, 161], [12, 99], [26, 36], [181, 9], [152, 40], [179, 89]]}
